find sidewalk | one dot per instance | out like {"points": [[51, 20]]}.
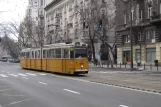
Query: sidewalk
{"points": [[140, 80], [127, 67], [147, 82]]}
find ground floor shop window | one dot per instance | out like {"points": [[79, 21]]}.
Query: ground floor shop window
{"points": [[151, 54], [126, 57], [138, 57]]}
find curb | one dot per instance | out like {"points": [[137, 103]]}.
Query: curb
{"points": [[129, 87]]}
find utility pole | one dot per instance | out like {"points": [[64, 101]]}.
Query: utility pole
{"points": [[41, 36], [131, 38]]}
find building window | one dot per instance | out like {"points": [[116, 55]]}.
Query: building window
{"points": [[126, 38], [29, 12], [139, 36], [160, 7], [138, 55], [140, 14], [125, 19], [147, 33], [150, 54], [149, 12], [132, 14], [153, 34], [41, 2]]}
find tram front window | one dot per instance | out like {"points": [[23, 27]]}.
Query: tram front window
{"points": [[80, 53]]}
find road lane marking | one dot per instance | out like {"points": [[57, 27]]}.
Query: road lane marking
{"points": [[71, 91], [13, 95], [43, 83], [13, 75], [22, 75], [12, 103], [6, 89], [2, 75], [4, 86], [123, 106], [31, 74], [25, 78], [88, 81], [42, 74]]}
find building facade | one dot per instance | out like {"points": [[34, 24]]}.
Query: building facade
{"points": [[146, 30], [63, 23], [31, 34]]}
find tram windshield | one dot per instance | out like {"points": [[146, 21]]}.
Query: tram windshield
{"points": [[80, 53]]}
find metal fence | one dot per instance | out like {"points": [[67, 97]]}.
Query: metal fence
{"points": [[147, 67]]}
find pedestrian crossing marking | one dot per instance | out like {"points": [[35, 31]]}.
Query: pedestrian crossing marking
{"points": [[2, 75], [13, 75], [21, 75], [31, 74]]}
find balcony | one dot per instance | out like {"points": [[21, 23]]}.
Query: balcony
{"points": [[135, 23], [70, 25], [155, 19]]}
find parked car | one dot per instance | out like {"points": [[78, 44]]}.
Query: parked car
{"points": [[16, 61], [4, 59], [10, 60]]}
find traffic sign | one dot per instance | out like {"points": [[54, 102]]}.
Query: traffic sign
{"points": [[100, 53]]}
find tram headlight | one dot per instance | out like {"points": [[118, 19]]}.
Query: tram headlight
{"points": [[82, 66]]}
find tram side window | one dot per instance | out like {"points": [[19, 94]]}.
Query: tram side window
{"points": [[58, 53], [71, 52], [38, 54], [27, 54], [48, 53], [35, 54], [66, 53], [52, 53], [21, 54], [44, 53], [32, 54]]}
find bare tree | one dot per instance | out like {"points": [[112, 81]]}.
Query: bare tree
{"points": [[27, 33], [92, 16], [10, 45]]}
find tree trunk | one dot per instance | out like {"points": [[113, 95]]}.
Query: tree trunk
{"points": [[92, 44], [109, 49], [93, 49]]}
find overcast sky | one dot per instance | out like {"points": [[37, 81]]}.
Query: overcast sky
{"points": [[12, 10]]}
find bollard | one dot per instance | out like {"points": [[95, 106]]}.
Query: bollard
{"points": [[144, 66], [125, 65], [120, 65], [150, 66]]}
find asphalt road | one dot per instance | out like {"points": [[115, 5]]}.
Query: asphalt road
{"points": [[25, 88]]}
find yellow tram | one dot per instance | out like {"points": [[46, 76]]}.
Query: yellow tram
{"points": [[59, 58]]}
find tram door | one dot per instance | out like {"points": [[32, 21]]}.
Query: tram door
{"points": [[65, 59]]}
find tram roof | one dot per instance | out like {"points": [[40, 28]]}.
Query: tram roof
{"points": [[26, 50], [58, 45]]}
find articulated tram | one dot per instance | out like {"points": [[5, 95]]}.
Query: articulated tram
{"points": [[59, 58]]}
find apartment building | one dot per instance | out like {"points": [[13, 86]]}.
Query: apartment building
{"points": [[35, 18], [62, 24], [146, 30]]}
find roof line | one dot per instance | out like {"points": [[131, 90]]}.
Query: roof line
{"points": [[51, 4]]}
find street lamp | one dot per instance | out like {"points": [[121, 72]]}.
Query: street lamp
{"points": [[42, 34], [131, 38], [131, 44]]}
